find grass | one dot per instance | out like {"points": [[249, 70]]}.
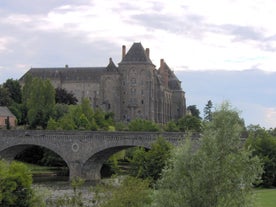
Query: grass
{"points": [[265, 197]]}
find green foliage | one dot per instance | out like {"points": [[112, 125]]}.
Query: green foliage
{"points": [[5, 99], [143, 125], [189, 124], [264, 145], [15, 186], [149, 164], [14, 89], [39, 99], [64, 97], [208, 111], [171, 126], [194, 111], [219, 173], [132, 192], [52, 124]]}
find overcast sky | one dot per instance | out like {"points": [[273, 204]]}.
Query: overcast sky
{"points": [[190, 35]]}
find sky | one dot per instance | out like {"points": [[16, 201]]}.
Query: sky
{"points": [[191, 35]]}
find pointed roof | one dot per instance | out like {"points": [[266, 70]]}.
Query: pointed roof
{"points": [[4, 111], [136, 54], [111, 66]]}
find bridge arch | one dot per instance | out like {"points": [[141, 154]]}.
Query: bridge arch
{"points": [[9, 153], [91, 169]]}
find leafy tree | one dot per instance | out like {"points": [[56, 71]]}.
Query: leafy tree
{"points": [[15, 186], [149, 164], [39, 98], [264, 145], [52, 124], [219, 173], [84, 123], [171, 126], [189, 123], [208, 111], [143, 125], [5, 99], [64, 97], [14, 89], [194, 111]]}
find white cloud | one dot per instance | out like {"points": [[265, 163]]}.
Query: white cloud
{"points": [[270, 117]]}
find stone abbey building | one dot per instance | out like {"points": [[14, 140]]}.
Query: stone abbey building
{"points": [[133, 89]]}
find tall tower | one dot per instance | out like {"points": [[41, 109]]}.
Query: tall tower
{"points": [[137, 83]]}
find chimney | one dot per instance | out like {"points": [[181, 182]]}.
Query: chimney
{"points": [[162, 64], [123, 51], [148, 53]]}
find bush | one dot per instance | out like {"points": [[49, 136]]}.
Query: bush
{"points": [[15, 186]]}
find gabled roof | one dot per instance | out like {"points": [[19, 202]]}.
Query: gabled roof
{"points": [[4, 111], [136, 54]]}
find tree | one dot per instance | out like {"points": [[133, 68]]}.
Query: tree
{"points": [[15, 185], [194, 111], [189, 123], [219, 173], [149, 164], [208, 111], [39, 99], [14, 89], [264, 145], [143, 125], [64, 97], [5, 99]]}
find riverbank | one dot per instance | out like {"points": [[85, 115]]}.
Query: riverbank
{"points": [[58, 192]]}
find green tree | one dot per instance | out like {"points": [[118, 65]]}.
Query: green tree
{"points": [[52, 124], [194, 111], [5, 99], [39, 98], [208, 111], [219, 173], [14, 89], [143, 125], [15, 186], [149, 164], [64, 97], [84, 123], [171, 126], [189, 123], [264, 145]]}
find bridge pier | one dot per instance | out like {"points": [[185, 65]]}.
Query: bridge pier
{"points": [[92, 170], [75, 169]]}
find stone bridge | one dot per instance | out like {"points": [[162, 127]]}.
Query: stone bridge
{"points": [[83, 151]]}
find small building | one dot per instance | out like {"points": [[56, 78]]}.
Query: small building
{"points": [[6, 118]]}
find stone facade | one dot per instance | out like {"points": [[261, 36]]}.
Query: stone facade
{"points": [[133, 89]]}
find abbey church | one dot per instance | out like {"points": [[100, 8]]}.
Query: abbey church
{"points": [[133, 89]]}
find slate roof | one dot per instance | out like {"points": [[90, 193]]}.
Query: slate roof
{"points": [[4, 111], [68, 74], [136, 54], [111, 66]]}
